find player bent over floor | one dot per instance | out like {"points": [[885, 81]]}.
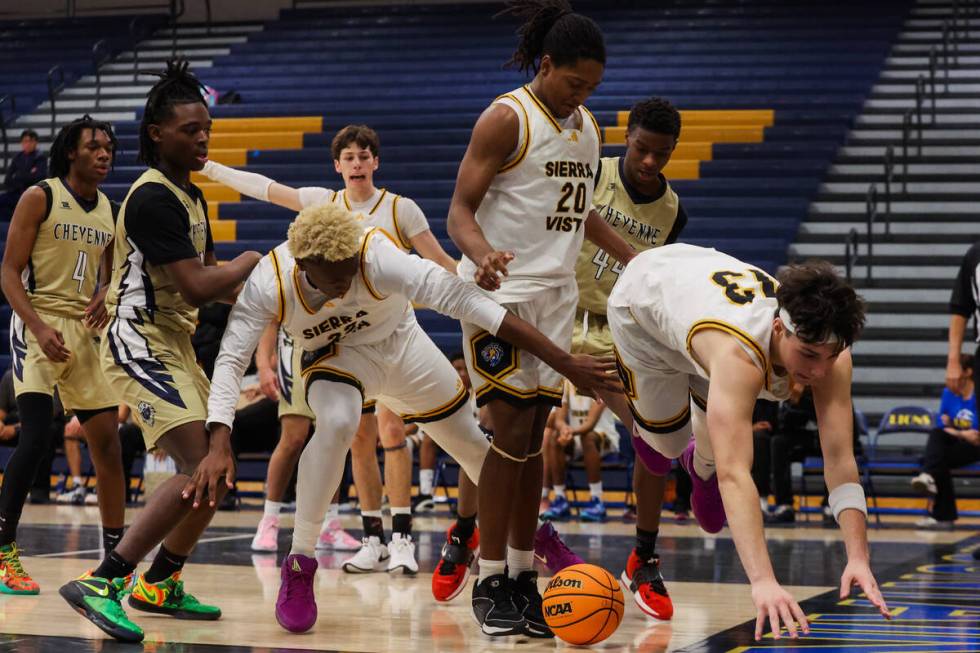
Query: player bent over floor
{"points": [[345, 297], [699, 336]]}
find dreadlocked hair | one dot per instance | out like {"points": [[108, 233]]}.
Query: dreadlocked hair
{"points": [[551, 28], [67, 141], [177, 85]]}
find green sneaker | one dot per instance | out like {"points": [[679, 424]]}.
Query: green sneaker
{"points": [[97, 599], [168, 597]]}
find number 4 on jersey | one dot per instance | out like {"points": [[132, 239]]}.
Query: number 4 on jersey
{"points": [[80, 266], [601, 260]]}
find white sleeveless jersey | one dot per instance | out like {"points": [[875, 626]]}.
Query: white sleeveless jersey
{"points": [[578, 413], [398, 217], [538, 201], [676, 291]]}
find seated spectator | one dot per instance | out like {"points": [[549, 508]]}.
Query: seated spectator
{"points": [[582, 429], [955, 442], [28, 167], [10, 431], [793, 439], [77, 494], [765, 416]]}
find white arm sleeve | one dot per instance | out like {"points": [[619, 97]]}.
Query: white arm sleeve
{"points": [[257, 305], [392, 271], [411, 220], [246, 183], [314, 196]]}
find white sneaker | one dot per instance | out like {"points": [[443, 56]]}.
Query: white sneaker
{"points": [[267, 535], [335, 538], [402, 559], [75, 496], [932, 524], [372, 556], [924, 483]]}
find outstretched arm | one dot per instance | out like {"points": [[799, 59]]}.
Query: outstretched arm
{"points": [[263, 188]]}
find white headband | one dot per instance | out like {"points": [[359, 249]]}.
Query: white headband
{"points": [[830, 338]]}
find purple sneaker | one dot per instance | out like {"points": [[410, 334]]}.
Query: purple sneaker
{"points": [[550, 549], [296, 605], [705, 497], [655, 462]]}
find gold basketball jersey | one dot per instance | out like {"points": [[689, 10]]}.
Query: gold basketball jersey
{"points": [[63, 269], [141, 290], [643, 226]]}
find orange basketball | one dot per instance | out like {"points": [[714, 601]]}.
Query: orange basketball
{"points": [[583, 604]]}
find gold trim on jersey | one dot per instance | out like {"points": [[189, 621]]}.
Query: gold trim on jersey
{"points": [[539, 104], [522, 153], [442, 412], [373, 208], [662, 427], [364, 244], [405, 243], [720, 325], [299, 292], [282, 290], [550, 393], [594, 124]]}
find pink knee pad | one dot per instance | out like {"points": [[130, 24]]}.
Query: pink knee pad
{"points": [[655, 462]]}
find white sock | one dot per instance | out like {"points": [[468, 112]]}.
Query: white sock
{"points": [[426, 478], [559, 491], [595, 489], [490, 568], [764, 504], [305, 534], [545, 491], [272, 508], [77, 480], [703, 467], [518, 561]]}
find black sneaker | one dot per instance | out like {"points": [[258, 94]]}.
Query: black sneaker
{"points": [[527, 599], [494, 607]]}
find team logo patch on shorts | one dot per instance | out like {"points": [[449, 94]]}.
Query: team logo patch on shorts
{"points": [[494, 357], [147, 413]]}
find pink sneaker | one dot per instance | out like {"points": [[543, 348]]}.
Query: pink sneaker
{"points": [[655, 462], [336, 538], [705, 497], [296, 604], [267, 535], [552, 551]]}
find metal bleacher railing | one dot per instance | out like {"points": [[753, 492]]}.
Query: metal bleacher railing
{"points": [[9, 102], [952, 30]]}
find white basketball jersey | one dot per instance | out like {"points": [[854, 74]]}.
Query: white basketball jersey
{"points": [[676, 291], [538, 201], [578, 413], [398, 217]]}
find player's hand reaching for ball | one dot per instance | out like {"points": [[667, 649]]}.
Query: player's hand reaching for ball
{"points": [[491, 268], [591, 373], [774, 603], [857, 572]]}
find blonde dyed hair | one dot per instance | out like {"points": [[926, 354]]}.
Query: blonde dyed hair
{"points": [[327, 231]]}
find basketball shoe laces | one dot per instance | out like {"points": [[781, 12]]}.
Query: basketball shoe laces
{"points": [[302, 584], [455, 553], [11, 559], [649, 572]]}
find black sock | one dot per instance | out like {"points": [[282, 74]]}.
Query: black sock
{"points": [[110, 538], [113, 566], [164, 565], [465, 527], [373, 527], [646, 543], [401, 524], [36, 412], [8, 528]]}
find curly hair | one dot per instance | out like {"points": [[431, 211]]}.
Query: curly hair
{"points": [[655, 115], [551, 28], [363, 135], [820, 303], [326, 231], [177, 85], [67, 141]]}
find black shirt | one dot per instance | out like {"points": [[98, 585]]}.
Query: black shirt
{"points": [[159, 224], [965, 299]]}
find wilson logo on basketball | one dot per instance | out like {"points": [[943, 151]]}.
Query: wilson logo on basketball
{"points": [[558, 609], [558, 581]]}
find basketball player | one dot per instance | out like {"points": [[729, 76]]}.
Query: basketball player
{"points": [[278, 365], [699, 336], [634, 198], [519, 214], [57, 245], [163, 268], [345, 297], [356, 150]]}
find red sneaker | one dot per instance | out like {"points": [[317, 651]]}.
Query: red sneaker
{"points": [[644, 581], [453, 570]]}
